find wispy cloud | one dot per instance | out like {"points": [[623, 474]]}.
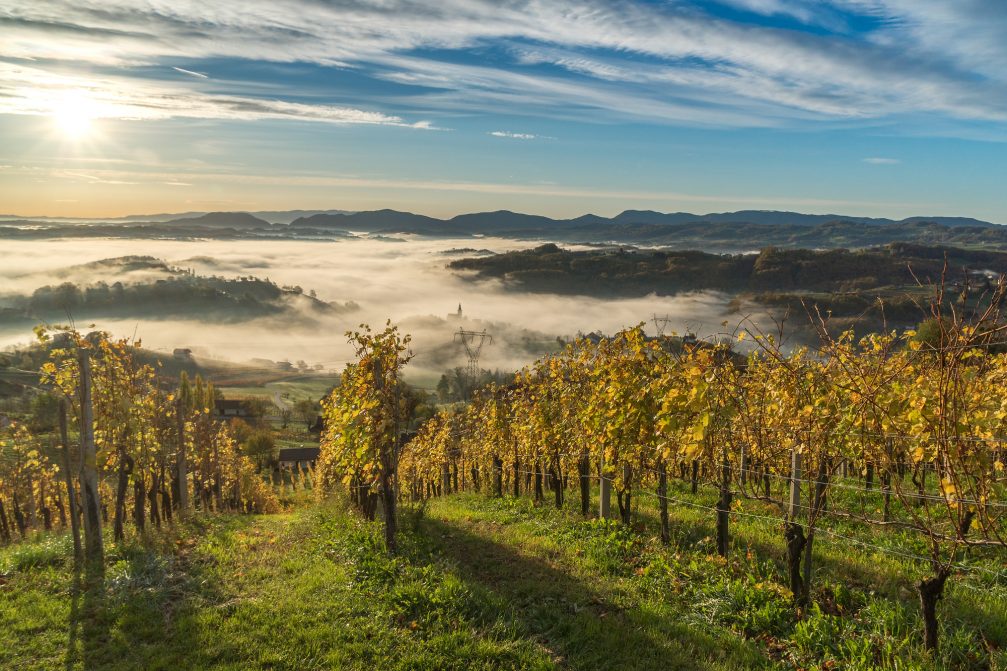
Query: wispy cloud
{"points": [[90, 178], [515, 136], [880, 160], [395, 186], [201, 75], [38, 92]]}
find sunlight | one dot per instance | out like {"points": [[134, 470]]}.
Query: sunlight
{"points": [[73, 114]]}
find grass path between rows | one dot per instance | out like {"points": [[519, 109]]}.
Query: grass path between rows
{"points": [[479, 584]]}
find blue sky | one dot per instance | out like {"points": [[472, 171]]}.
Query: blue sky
{"points": [[881, 107]]}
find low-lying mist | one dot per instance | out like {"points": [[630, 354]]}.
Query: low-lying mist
{"points": [[405, 281]]}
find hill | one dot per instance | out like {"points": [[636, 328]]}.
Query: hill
{"points": [[221, 220], [631, 272], [148, 287], [778, 218], [391, 221], [843, 284]]}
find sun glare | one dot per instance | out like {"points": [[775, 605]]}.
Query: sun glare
{"points": [[73, 114]]}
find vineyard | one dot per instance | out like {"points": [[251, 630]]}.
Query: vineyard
{"points": [[787, 498], [894, 442], [139, 454]]}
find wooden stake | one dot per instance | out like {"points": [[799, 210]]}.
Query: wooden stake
{"points": [[93, 543], [180, 465], [71, 493]]}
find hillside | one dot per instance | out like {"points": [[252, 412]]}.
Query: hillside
{"points": [[221, 220], [630, 272], [135, 286], [842, 283]]}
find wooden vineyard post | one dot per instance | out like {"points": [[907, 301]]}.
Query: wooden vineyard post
{"points": [[68, 477], [584, 470], [794, 533], [180, 465], [445, 478], [94, 546], [626, 496], [723, 508], [794, 505], [662, 497], [821, 482], [497, 476], [538, 482], [743, 465], [604, 493]]}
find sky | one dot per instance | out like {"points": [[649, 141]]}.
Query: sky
{"points": [[559, 107]]}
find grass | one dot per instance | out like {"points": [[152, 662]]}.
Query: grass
{"points": [[309, 590], [479, 584], [291, 388]]}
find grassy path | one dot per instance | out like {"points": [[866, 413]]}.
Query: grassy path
{"points": [[586, 615], [480, 584]]}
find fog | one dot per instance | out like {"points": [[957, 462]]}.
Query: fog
{"points": [[405, 281]]}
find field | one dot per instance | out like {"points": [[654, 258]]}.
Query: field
{"points": [[288, 389], [480, 584]]}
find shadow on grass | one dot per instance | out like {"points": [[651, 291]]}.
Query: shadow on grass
{"points": [[138, 611], [584, 628]]}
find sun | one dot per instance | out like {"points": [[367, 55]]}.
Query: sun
{"points": [[73, 114]]}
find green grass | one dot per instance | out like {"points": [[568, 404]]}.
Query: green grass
{"points": [[304, 591], [479, 584], [291, 389]]}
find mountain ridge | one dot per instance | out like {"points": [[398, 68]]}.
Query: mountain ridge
{"points": [[507, 220]]}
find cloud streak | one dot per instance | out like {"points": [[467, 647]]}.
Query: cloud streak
{"points": [[515, 136], [671, 199], [200, 75], [33, 91]]}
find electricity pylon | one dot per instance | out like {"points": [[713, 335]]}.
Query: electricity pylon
{"points": [[473, 342], [661, 323]]}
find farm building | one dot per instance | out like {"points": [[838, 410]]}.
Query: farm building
{"points": [[298, 456], [229, 408]]}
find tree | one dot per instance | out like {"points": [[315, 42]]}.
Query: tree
{"points": [[260, 447], [285, 414], [44, 412], [307, 411]]}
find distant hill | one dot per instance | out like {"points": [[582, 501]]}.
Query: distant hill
{"points": [[390, 221], [844, 285], [775, 218], [631, 272], [504, 222], [221, 220], [273, 216], [744, 230], [500, 219], [143, 286]]}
